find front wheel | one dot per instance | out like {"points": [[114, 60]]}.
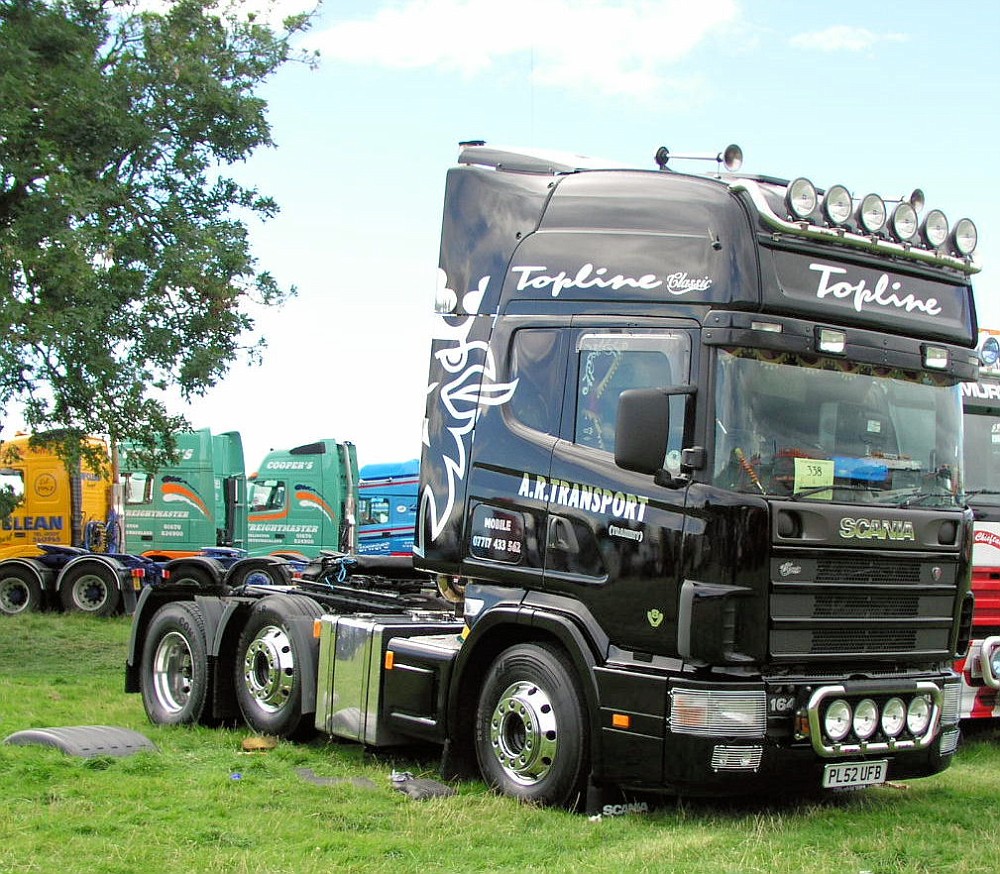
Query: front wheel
{"points": [[531, 729], [174, 671], [20, 591], [90, 588], [269, 663]]}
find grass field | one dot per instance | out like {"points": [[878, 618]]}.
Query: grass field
{"points": [[199, 803]]}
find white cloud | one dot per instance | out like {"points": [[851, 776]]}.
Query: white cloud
{"points": [[613, 48], [843, 38]]}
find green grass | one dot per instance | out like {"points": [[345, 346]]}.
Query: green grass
{"points": [[200, 804]]}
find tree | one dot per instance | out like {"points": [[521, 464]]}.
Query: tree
{"points": [[125, 265]]}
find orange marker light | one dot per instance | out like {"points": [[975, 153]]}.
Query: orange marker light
{"points": [[621, 720], [389, 660]]}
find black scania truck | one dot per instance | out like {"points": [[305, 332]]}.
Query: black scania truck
{"points": [[690, 507]]}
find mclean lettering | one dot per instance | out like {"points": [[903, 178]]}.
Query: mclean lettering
{"points": [[876, 529], [883, 293]]}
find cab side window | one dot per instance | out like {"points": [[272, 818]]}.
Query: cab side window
{"points": [[608, 364], [536, 364]]}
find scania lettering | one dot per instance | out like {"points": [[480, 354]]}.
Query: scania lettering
{"points": [[690, 514], [980, 669]]}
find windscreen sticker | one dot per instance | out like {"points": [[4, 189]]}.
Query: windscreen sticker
{"points": [[594, 499], [813, 473]]}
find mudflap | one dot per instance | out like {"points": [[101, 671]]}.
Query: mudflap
{"points": [[610, 800], [85, 740]]}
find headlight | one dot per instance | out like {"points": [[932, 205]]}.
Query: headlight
{"points": [[893, 717], [904, 222], [837, 721], [837, 204], [935, 228], [995, 662], [718, 712], [871, 213], [918, 715], [800, 198], [965, 236], [865, 718]]}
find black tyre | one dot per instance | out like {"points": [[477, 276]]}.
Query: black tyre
{"points": [[20, 591], [173, 675], [191, 575], [92, 588], [268, 670], [531, 729], [258, 572]]}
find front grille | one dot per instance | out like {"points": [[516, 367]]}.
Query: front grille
{"points": [[834, 640], [861, 607], [833, 604], [860, 570]]}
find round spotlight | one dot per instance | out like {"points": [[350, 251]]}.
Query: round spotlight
{"points": [[917, 199], [837, 721], [935, 228], [918, 715], [903, 223], [800, 198], [965, 236], [893, 717], [872, 214], [865, 718], [837, 205], [989, 354]]}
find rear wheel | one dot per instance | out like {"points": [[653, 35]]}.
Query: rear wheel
{"points": [[190, 575], [90, 588], [20, 591], [258, 572], [174, 672], [269, 663], [531, 739]]}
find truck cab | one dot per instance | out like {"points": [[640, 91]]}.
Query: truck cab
{"points": [[387, 507], [303, 500], [198, 502], [702, 434]]}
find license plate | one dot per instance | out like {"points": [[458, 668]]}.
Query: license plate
{"points": [[855, 774]]}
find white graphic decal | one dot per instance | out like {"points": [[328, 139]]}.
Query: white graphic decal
{"points": [[588, 276], [681, 283], [474, 386], [879, 295]]}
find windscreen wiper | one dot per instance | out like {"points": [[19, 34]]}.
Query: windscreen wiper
{"points": [[813, 490]]}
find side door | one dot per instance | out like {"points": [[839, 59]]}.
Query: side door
{"points": [[613, 537], [511, 454]]}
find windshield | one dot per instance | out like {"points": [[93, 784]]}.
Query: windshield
{"points": [[982, 457], [818, 429]]}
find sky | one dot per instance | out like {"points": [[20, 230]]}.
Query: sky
{"points": [[883, 97]]}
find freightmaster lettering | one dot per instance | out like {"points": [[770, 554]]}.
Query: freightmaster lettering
{"points": [[594, 499]]}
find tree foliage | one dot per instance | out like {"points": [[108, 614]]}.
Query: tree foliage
{"points": [[125, 264]]}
